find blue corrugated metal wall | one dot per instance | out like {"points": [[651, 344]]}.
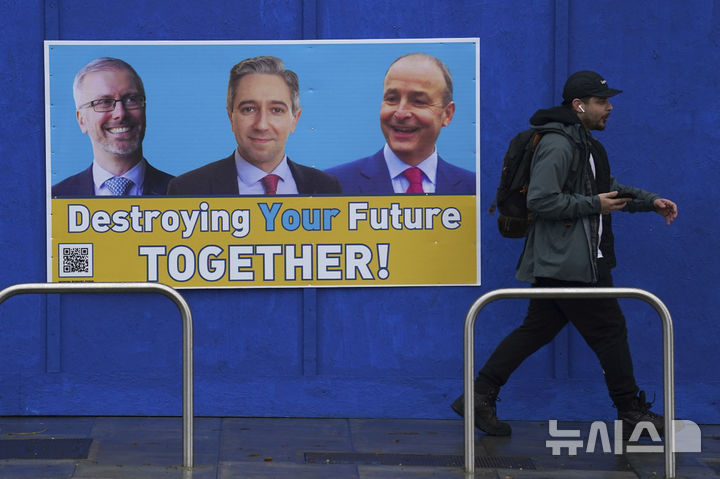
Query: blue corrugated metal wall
{"points": [[381, 352]]}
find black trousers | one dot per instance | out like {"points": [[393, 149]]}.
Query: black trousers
{"points": [[599, 321]]}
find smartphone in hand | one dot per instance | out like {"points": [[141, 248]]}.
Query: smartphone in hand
{"points": [[625, 195]]}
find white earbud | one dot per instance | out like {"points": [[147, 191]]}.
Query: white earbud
{"points": [[581, 108]]}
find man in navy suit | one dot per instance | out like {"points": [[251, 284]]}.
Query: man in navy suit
{"points": [[263, 106], [417, 103], [110, 108]]}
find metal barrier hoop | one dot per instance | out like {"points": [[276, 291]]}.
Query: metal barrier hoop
{"points": [[49, 288], [668, 356]]}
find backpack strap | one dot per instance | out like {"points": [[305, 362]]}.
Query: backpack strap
{"points": [[576, 165], [536, 139]]}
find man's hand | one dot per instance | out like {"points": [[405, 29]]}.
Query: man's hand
{"points": [[610, 203], [666, 208]]}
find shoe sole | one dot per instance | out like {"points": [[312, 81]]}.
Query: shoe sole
{"points": [[461, 412]]}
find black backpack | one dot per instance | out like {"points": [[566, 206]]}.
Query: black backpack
{"points": [[511, 197]]}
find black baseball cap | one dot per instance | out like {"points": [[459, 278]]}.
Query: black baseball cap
{"points": [[586, 83]]}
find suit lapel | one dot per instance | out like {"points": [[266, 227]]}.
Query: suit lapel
{"points": [[226, 183], [304, 186], [151, 182], [445, 180], [376, 177], [86, 185]]}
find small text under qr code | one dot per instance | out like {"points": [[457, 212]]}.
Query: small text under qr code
{"points": [[75, 260]]}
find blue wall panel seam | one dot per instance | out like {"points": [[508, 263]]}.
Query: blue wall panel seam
{"points": [[561, 35], [309, 20], [309, 328], [52, 302], [53, 333], [51, 10]]}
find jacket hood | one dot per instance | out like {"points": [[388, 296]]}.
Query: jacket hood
{"points": [[558, 114]]}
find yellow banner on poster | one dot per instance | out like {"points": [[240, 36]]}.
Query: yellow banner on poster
{"points": [[267, 241]]}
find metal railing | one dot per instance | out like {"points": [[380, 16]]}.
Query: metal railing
{"points": [[187, 353], [668, 356]]}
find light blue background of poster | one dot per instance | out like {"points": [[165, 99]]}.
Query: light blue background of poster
{"points": [[186, 85]]}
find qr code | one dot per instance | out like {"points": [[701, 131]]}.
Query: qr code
{"points": [[75, 260]]}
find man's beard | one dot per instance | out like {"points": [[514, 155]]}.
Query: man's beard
{"points": [[126, 148]]}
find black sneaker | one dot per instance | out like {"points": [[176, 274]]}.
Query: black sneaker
{"points": [[640, 411], [485, 414]]}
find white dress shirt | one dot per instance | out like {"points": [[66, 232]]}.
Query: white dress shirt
{"points": [[396, 167], [136, 174], [585, 220], [249, 176]]}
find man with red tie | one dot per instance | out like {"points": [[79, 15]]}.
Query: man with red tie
{"points": [[263, 106], [417, 104]]}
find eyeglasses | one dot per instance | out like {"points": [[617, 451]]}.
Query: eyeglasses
{"points": [[131, 102]]}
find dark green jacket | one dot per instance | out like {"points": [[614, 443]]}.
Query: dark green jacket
{"points": [[562, 197]]}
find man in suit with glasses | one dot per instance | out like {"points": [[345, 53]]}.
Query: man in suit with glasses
{"points": [[110, 108]]}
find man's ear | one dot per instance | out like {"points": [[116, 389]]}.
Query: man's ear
{"points": [[296, 117], [448, 112], [578, 105], [81, 121]]}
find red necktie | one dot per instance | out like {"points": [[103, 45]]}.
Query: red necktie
{"points": [[270, 184], [414, 176]]}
